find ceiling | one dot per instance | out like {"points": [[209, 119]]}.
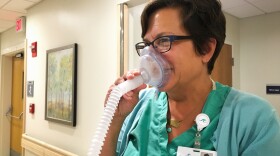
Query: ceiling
{"points": [[10, 10], [248, 8]]}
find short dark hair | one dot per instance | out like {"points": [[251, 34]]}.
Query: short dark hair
{"points": [[203, 19]]}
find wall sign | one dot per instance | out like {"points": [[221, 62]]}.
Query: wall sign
{"points": [[273, 89], [30, 88], [20, 24]]}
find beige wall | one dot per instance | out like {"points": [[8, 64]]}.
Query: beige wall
{"points": [[11, 41], [260, 53], [92, 25], [233, 38], [134, 13]]}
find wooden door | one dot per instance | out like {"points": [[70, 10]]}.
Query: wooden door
{"points": [[17, 105], [222, 71]]}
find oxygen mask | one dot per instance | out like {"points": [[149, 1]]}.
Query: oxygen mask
{"points": [[154, 68]]}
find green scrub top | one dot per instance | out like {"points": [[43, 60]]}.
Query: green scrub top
{"points": [[149, 135]]}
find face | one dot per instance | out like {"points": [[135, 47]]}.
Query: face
{"points": [[187, 66]]}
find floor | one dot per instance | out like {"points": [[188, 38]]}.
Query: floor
{"points": [[14, 153]]}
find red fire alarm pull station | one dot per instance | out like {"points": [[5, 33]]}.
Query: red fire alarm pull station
{"points": [[34, 49], [32, 108]]}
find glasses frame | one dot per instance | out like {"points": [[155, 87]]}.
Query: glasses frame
{"points": [[172, 38]]}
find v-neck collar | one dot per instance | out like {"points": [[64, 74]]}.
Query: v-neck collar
{"points": [[212, 108]]}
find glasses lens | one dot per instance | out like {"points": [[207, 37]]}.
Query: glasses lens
{"points": [[139, 47], [162, 44]]}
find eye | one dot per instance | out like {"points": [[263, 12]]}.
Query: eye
{"points": [[163, 42], [163, 39]]}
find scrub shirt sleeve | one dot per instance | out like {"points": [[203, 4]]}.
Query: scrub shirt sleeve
{"points": [[248, 126], [267, 141]]}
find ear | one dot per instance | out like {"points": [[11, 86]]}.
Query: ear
{"points": [[210, 49]]}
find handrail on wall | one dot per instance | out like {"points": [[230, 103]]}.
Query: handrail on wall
{"points": [[41, 148]]}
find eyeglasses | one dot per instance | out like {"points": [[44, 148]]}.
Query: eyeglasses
{"points": [[161, 44]]}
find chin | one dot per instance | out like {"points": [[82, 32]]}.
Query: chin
{"points": [[164, 88]]}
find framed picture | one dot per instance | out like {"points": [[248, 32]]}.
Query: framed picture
{"points": [[61, 85]]}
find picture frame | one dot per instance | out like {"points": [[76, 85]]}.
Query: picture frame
{"points": [[61, 85]]}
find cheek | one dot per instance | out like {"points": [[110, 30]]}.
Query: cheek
{"points": [[186, 63], [182, 57]]}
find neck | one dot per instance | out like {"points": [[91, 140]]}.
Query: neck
{"points": [[188, 102]]}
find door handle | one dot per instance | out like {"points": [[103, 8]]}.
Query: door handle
{"points": [[8, 114]]}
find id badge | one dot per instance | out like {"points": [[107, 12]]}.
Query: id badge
{"points": [[186, 151]]}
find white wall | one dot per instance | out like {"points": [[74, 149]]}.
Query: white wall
{"points": [[92, 25], [5, 100], [260, 53]]}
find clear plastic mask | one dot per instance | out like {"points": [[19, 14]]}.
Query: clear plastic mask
{"points": [[155, 66]]}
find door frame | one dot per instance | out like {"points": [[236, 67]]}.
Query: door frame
{"points": [[6, 93], [236, 65]]}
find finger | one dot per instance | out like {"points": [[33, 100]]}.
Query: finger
{"points": [[119, 80], [134, 93], [130, 93], [132, 73], [136, 72], [137, 90], [129, 76], [127, 97]]}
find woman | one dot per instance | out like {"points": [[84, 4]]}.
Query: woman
{"points": [[189, 34]]}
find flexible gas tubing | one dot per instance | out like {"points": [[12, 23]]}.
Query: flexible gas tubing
{"points": [[109, 111]]}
